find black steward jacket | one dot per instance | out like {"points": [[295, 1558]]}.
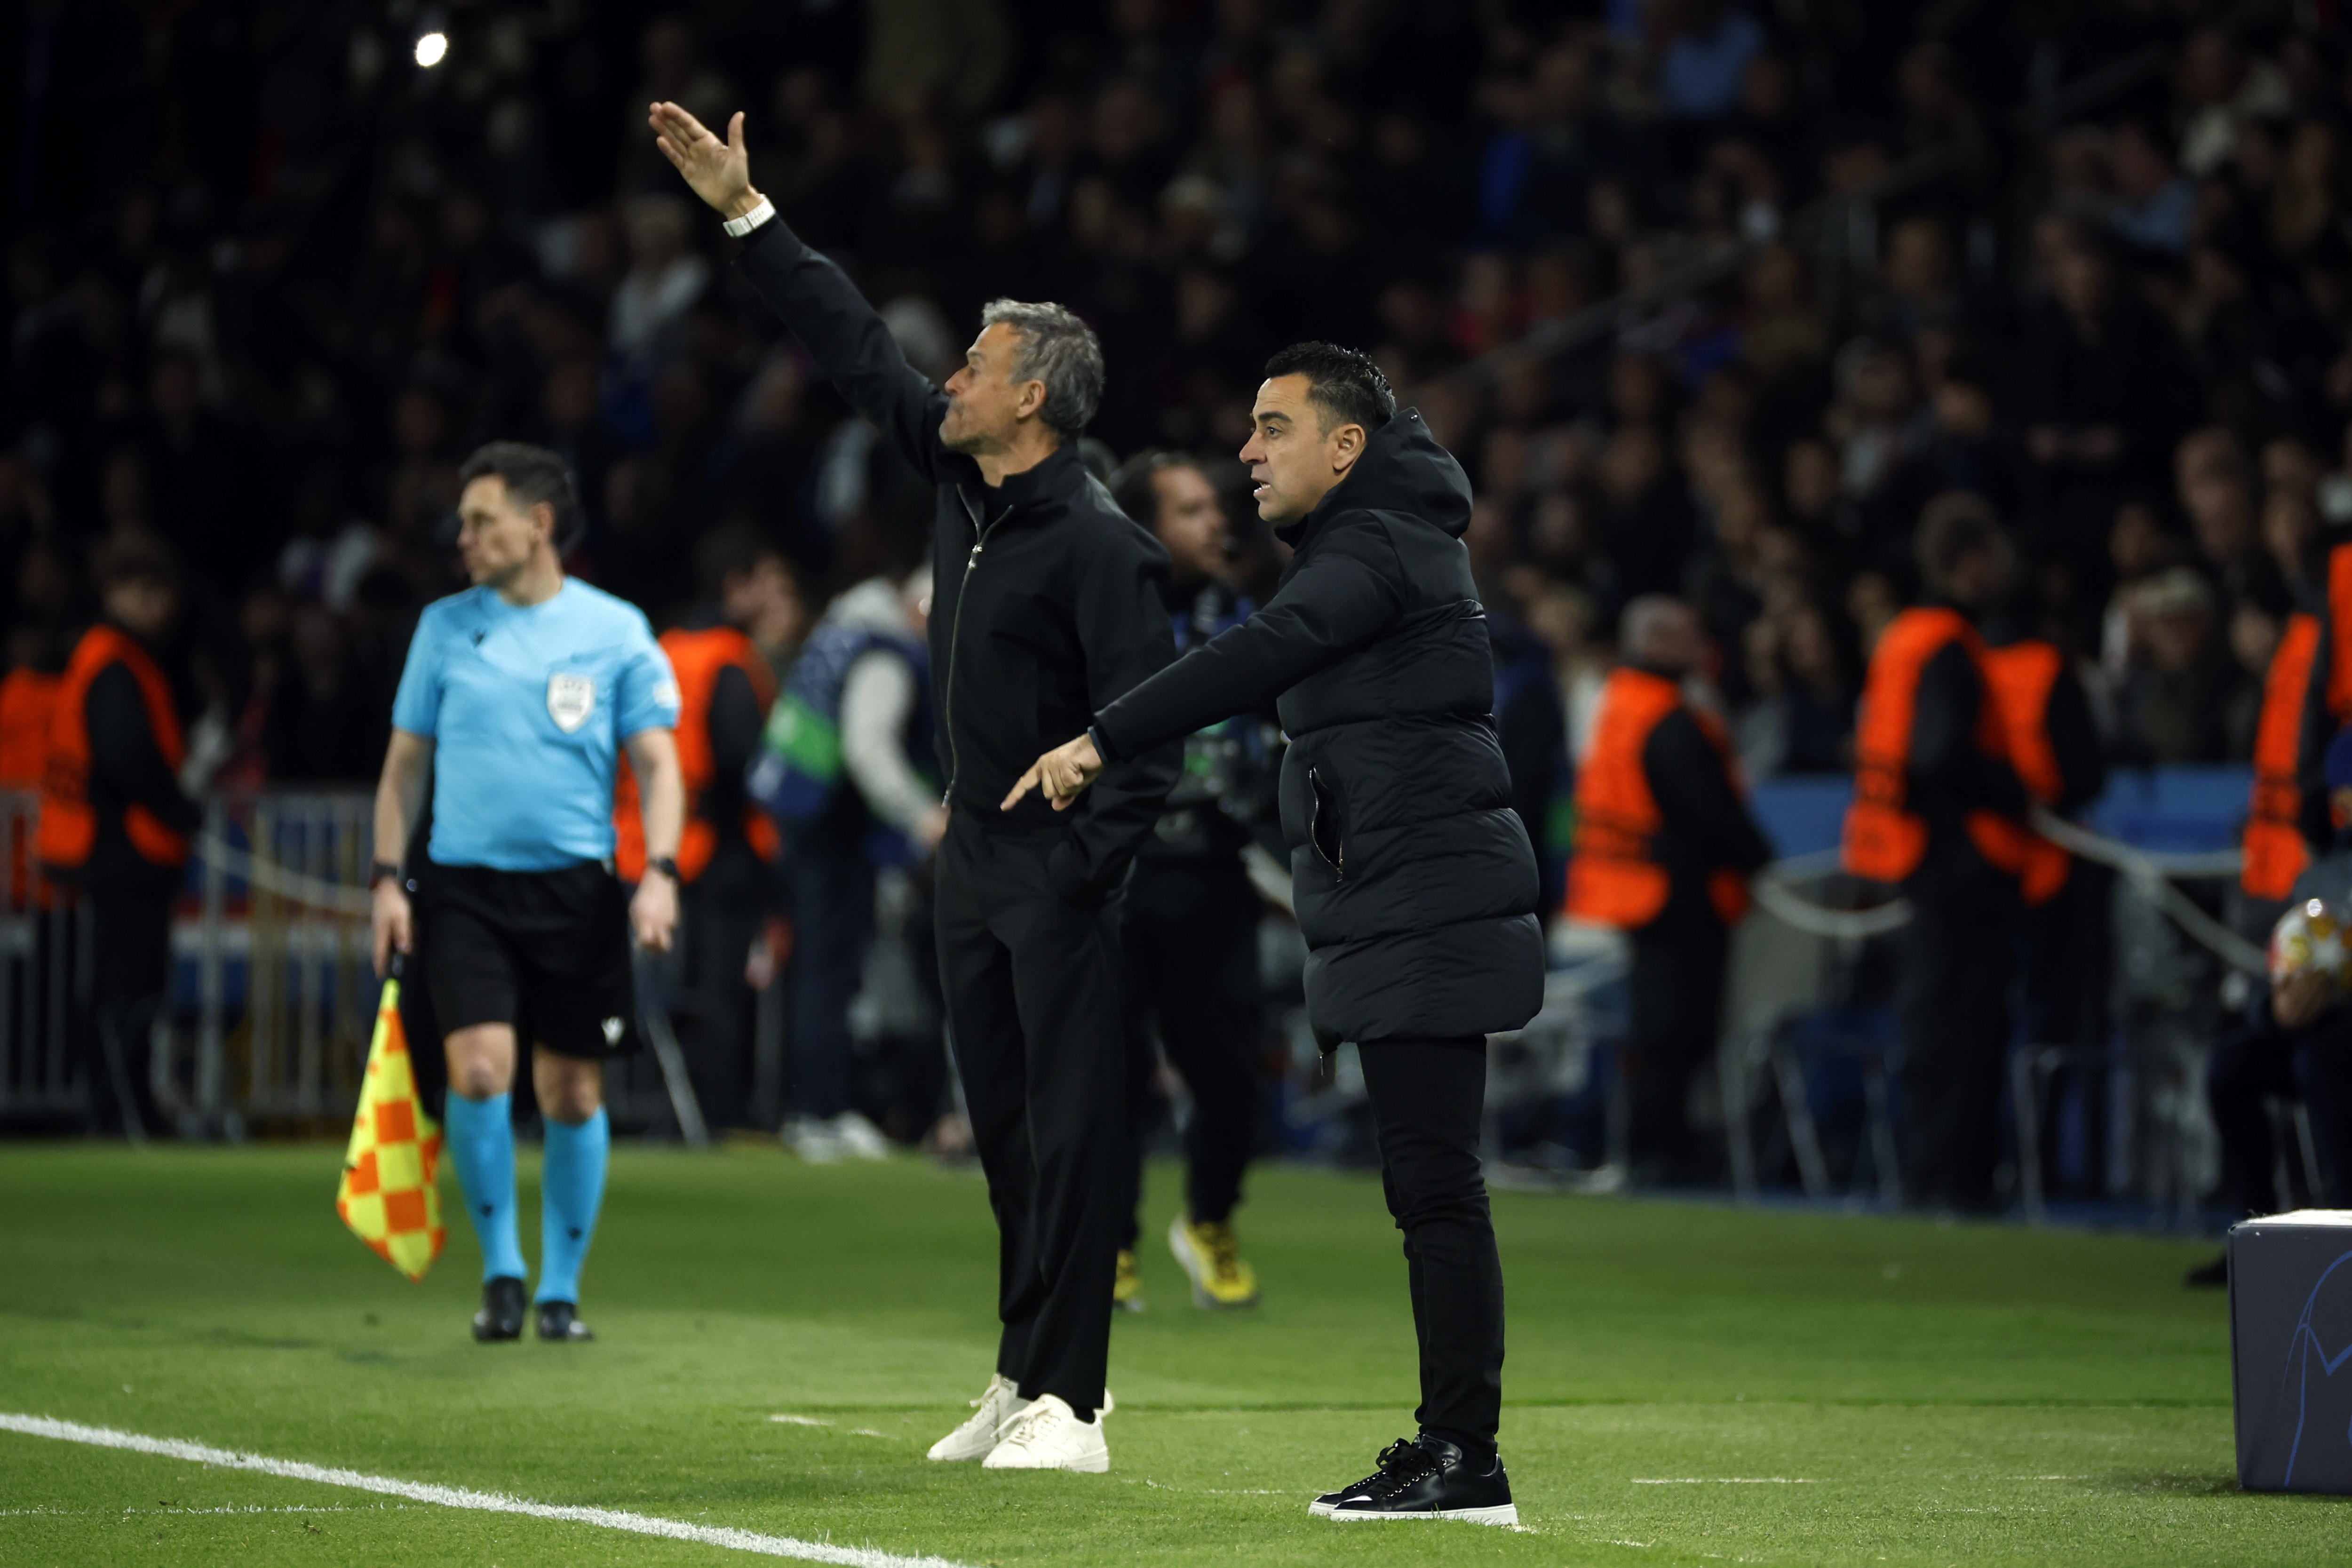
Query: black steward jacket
{"points": [[1705, 824], [126, 769], [1045, 599], [1414, 882], [1949, 777]]}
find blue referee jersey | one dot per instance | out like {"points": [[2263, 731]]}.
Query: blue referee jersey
{"points": [[527, 708]]}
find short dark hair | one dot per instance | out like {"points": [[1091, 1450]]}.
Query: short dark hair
{"points": [[1954, 526], [1345, 386], [736, 549], [135, 555], [532, 475], [1132, 485]]}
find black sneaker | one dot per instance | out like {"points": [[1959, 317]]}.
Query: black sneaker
{"points": [[501, 1314], [561, 1320], [2214, 1274], [1424, 1478]]}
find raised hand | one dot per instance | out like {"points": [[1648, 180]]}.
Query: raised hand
{"points": [[719, 172]]}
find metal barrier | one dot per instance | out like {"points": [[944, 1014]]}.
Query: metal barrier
{"points": [[272, 993]]}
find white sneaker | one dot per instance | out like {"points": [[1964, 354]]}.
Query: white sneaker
{"points": [[815, 1142], [1000, 1404], [858, 1137], [1049, 1435]]}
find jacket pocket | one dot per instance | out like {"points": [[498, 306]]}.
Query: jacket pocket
{"points": [[1326, 822]]}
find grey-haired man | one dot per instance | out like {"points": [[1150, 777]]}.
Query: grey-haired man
{"points": [[1047, 606]]}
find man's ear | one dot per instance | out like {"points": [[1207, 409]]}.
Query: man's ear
{"points": [[542, 513], [1033, 399], [1347, 445]]}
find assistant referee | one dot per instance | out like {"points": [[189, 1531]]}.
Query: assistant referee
{"points": [[518, 698]]}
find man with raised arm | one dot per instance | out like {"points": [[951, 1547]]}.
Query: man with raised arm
{"points": [[1415, 884], [1046, 607]]}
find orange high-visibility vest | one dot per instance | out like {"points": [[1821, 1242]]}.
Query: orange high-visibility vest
{"points": [[697, 658], [68, 829], [1614, 876], [28, 702], [1885, 839], [2275, 850], [2021, 678]]}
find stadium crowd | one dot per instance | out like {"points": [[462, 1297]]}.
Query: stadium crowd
{"points": [[271, 280]]}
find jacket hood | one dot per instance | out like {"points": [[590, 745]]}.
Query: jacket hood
{"points": [[1402, 470]]}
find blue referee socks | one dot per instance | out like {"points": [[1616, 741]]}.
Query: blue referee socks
{"points": [[570, 1189], [481, 1142]]}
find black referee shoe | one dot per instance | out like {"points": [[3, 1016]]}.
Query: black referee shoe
{"points": [[560, 1321], [501, 1314], [1424, 1478]]}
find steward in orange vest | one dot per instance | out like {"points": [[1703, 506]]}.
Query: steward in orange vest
{"points": [[1664, 848], [112, 812], [28, 701], [724, 689], [1938, 809], [2306, 698], [1659, 817], [2054, 746], [115, 824]]}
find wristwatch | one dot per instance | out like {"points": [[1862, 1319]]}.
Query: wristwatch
{"points": [[380, 869], [737, 228], [667, 866]]}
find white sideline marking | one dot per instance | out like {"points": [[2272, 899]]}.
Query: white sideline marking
{"points": [[460, 1497]]}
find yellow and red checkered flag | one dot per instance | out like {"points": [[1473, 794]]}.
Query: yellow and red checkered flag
{"points": [[388, 1195]]}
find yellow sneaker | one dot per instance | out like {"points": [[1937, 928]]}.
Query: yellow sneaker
{"points": [[1127, 1285], [1209, 1254]]}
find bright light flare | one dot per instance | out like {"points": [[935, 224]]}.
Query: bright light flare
{"points": [[432, 49]]}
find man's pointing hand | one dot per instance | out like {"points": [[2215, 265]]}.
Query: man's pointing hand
{"points": [[1061, 774]]}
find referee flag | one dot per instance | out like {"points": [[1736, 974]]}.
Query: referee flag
{"points": [[388, 1195]]}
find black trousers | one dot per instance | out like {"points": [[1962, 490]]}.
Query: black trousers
{"points": [[1953, 1000], [1676, 979], [2314, 1066], [1426, 1097], [1189, 932], [2065, 964], [130, 969], [1032, 999], [716, 928], [831, 886]]}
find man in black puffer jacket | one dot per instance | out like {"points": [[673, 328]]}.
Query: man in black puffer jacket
{"points": [[1414, 882]]}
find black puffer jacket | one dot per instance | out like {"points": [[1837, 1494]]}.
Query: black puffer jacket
{"points": [[1414, 882]]}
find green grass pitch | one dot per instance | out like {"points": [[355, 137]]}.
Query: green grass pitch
{"points": [[1686, 1383]]}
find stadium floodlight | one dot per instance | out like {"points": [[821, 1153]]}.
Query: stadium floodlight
{"points": [[432, 49]]}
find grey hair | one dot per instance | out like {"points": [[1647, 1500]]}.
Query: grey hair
{"points": [[1059, 350]]}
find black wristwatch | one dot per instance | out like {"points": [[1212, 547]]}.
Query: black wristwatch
{"points": [[667, 866], [380, 869]]}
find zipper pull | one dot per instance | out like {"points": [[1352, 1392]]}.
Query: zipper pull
{"points": [[974, 560]]}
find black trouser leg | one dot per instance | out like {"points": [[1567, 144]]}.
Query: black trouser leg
{"points": [[2064, 970], [2247, 1067], [130, 968], [1190, 937], [831, 887], [2323, 1075], [1426, 1098], [1953, 1002], [1031, 986], [1675, 978], [716, 935]]}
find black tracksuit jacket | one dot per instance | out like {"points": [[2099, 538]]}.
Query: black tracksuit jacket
{"points": [[1414, 882], [1045, 599]]}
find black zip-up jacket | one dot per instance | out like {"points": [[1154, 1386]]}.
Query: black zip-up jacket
{"points": [[1413, 879], [1045, 599]]}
